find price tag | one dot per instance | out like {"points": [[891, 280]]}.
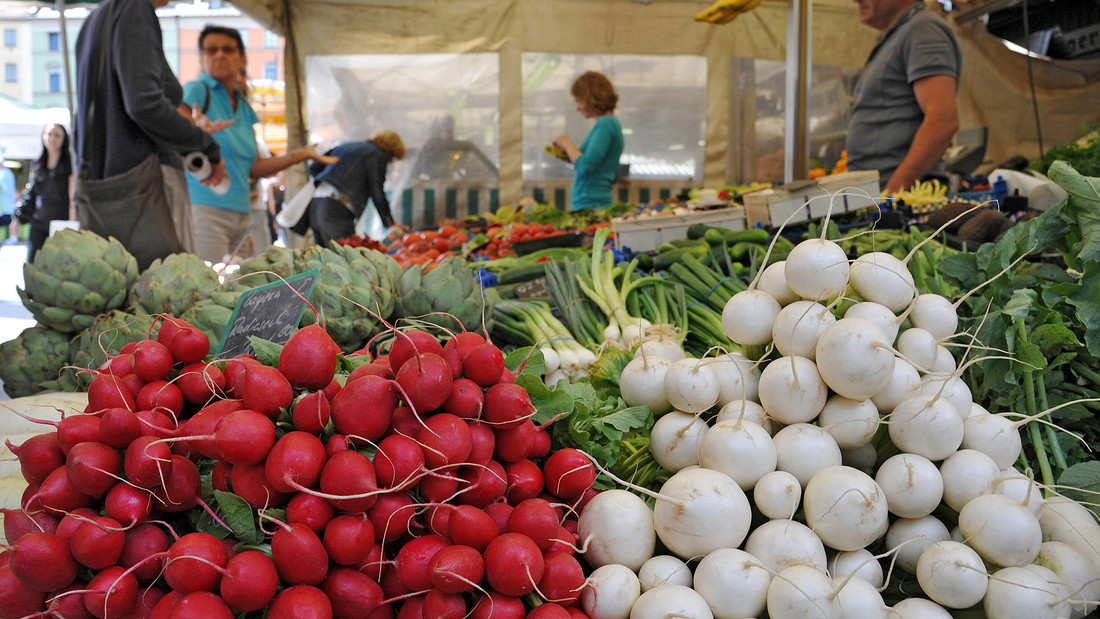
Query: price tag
{"points": [[532, 288], [271, 312]]}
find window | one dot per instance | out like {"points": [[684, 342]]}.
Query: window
{"points": [[271, 70], [53, 73], [271, 40], [55, 41], [11, 72], [244, 36], [9, 37]]}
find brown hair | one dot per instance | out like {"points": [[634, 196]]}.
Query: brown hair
{"points": [[595, 91], [390, 143]]}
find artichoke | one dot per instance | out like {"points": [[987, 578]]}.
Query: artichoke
{"points": [[75, 277], [211, 318], [106, 336], [442, 292], [258, 270], [31, 362], [354, 293], [173, 285]]}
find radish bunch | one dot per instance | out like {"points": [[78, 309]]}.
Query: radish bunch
{"points": [[415, 486], [859, 448]]}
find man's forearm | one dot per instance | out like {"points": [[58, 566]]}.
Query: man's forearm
{"points": [[929, 144]]}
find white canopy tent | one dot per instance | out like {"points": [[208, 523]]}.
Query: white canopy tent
{"points": [[21, 128]]}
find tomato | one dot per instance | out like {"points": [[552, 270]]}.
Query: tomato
{"points": [[441, 244], [460, 238], [447, 230]]}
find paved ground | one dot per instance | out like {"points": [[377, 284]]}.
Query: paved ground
{"points": [[13, 316]]}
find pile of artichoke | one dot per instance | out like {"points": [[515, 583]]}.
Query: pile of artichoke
{"points": [[171, 286], [443, 293], [105, 337], [32, 362]]}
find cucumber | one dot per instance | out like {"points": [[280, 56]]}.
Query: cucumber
{"points": [[717, 236], [696, 231], [519, 274], [665, 259], [678, 243]]}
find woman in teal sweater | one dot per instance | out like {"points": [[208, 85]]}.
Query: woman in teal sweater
{"points": [[596, 162]]}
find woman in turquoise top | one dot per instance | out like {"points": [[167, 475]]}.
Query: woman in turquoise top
{"points": [[596, 162], [222, 221]]}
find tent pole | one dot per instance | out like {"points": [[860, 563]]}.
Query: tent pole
{"points": [[60, 4], [796, 138]]}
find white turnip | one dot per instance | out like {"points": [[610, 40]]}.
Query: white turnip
{"points": [[798, 326], [741, 449], [691, 502], [792, 391], [733, 583], [845, 507], [675, 440]]}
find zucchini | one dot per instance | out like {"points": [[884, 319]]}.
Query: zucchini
{"points": [[678, 243], [665, 259], [519, 274], [717, 236], [696, 231], [645, 261]]}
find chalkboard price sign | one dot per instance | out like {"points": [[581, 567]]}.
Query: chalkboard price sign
{"points": [[270, 312]]}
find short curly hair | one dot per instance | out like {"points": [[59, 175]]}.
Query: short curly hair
{"points": [[595, 91], [390, 143]]}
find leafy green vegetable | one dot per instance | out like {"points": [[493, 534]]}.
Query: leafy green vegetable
{"points": [[1083, 158]]}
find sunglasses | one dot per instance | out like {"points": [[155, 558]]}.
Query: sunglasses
{"points": [[228, 50]]}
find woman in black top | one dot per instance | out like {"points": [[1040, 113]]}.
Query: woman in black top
{"points": [[48, 195]]}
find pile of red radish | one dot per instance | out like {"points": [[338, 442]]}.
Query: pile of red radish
{"points": [[417, 486]]}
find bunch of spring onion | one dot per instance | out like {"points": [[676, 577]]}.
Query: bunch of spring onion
{"points": [[707, 290], [530, 323]]}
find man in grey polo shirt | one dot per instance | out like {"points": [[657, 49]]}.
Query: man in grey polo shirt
{"points": [[904, 112]]}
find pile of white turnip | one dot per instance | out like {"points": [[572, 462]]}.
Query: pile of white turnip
{"points": [[850, 450], [417, 485]]}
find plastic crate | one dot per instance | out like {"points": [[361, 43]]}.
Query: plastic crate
{"points": [[804, 201], [647, 233]]}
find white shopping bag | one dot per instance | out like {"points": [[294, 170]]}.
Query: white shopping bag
{"points": [[296, 207]]}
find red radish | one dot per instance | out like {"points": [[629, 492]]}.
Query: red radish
{"points": [[392, 515], [486, 484], [151, 360], [499, 512], [411, 608], [470, 526], [120, 364], [311, 413], [201, 605], [496, 605], [69, 602], [439, 487], [147, 462], [38, 456], [524, 481], [133, 385], [187, 343], [300, 602], [568, 473], [548, 610], [297, 456], [332, 389], [267, 390], [349, 474], [181, 489], [541, 446], [156, 424], [163, 608], [440, 605], [404, 422], [146, 544], [76, 429], [446, 440], [200, 426], [466, 399], [201, 381], [310, 510], [456, 569], [111, 593], [250, 581], [483, 442], [194, 563], [148, 598], [56, 495], [300, 556], [370, 369], [399, 460], [161, 394], [426, 381], [353, 594], [362, 410], [483, 364], [536, 519], [235, 370], [67, 526], [413, 559], [43, 562], [563, 580], [513, 564], [250, 483], [456, 348], [374, 562], [308, 360], [18, 523], [335, 444], [507, 376], [407, 344], [93, 468], [219, 476], [438, 518], [129, 505], [108, 391], [507, 405], [16, 598], [348, 538], [118, 427], [97, 543], [566, 539], [515, 444], [244, 437]]}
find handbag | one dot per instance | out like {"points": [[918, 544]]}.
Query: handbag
{"points": [[131, 206], [296, 208], [28, 204]]}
